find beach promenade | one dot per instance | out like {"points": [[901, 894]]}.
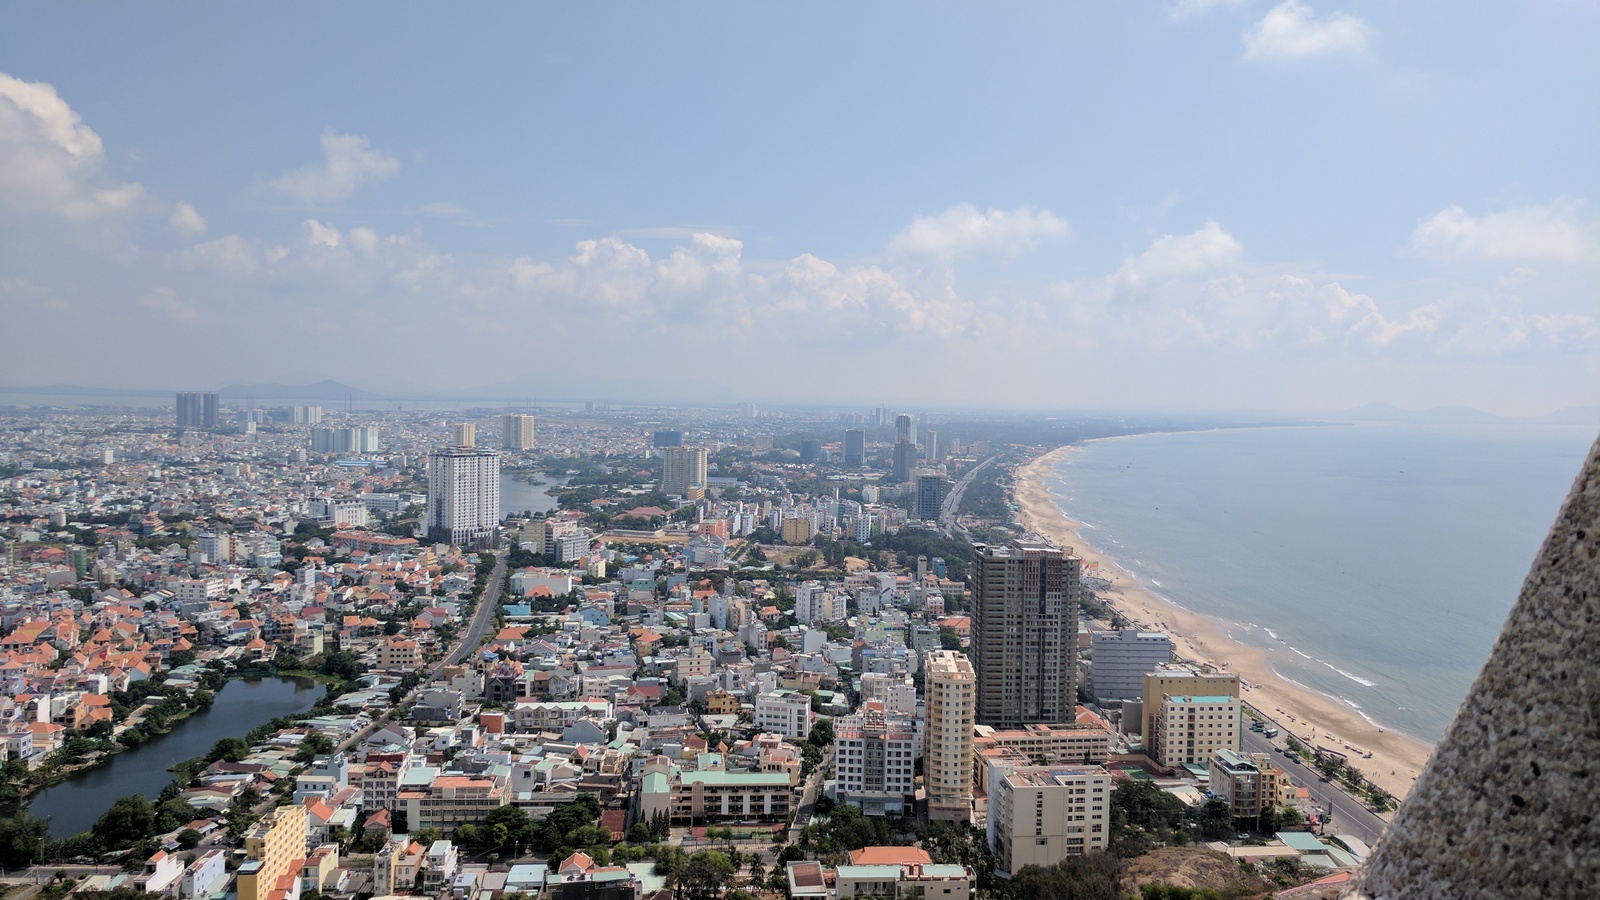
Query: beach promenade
{"points": [[1315, 719]]}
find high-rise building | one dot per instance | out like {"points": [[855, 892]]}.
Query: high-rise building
{"points": [[930, 446], [932, 488], [876, 760], [681, 469], [951, 685], [905, 462], [810, 450], [464, 434], [306, 415], [463, 496], [362, 439], [1025, 633], [197, 409], [902, 429], [661, 439], [855, 448], [1121, 659], [516, 432]]}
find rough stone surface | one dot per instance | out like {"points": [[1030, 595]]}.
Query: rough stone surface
{"points": [[1506, 805]]}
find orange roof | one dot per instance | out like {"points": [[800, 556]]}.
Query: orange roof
{"points": [[890, 856]]}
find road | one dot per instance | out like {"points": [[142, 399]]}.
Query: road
{"points": [[482, 619], [952, 502], [1349, 815]]}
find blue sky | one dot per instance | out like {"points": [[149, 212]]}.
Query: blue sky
{"points": [[1213, 204]]}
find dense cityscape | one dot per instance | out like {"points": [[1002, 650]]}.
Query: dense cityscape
{"points": [[724, 652]]}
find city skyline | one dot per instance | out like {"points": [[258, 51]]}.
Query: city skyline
{"points": [[1203, 204]]}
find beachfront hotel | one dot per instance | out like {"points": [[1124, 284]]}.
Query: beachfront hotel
{"points": [[1025, 633]]}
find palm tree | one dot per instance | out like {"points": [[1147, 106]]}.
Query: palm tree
{"points": [[758, 872]]}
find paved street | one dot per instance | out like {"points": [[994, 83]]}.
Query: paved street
{"points": [[1350, 816]]}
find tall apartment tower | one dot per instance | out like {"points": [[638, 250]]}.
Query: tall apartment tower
{"points": [[464, 434], [516, 432], [930, 445], [951, 688], [681, 469], [855, 448], [905, 451], [1025, 633], [932, 488], [463, 496], [197, 409]]}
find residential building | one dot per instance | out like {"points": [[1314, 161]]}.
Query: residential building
{"points": [[1178, 680], [452, 800], [1025, 633], [1190, 730], [712, 793], [1040, 815], [463, 496], [516, 432], [950, 688], [275, 849], [464, 434], [398, 654], [785, 712], [875, 761], [681, 469], [1248, 782], [1119, 660]]}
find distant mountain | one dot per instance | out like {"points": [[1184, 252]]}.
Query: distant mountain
{"points": [[326, 391], [1572, 415]]}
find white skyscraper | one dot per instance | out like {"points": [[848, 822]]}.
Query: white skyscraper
{"points": [[463, 496], [464, 434]]}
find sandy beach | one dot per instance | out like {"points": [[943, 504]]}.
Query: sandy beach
{"points": [[1315, 719]]}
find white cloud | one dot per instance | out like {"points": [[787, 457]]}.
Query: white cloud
{"points": [[962, 231], [1568, 328], [1177, 255], [164, 301], [49, 159], [1291, 30], [186, 220], [230, 253], [1549, 232], [1183, 9], [348, 161]]}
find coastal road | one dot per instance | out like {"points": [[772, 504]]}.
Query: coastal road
{"points": [[1349, 815], [952, 502]]}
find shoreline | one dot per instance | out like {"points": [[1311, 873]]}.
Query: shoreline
{"points": [[1310, 716]]}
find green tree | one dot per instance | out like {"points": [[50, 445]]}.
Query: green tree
{"points": [[705, 875], [21, 838], [129, 820], [188, 839], [316, 744], [229, 749]]}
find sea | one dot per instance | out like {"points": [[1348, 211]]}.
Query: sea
{"points": [[1374, 563]]}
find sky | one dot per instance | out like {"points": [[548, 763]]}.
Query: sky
{"points": [[1298, 206]]}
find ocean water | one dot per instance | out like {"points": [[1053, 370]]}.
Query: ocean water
{"points": [[1374, 563]]}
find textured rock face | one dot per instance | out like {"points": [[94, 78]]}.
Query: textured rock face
{"points": [[1507, 804]]}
